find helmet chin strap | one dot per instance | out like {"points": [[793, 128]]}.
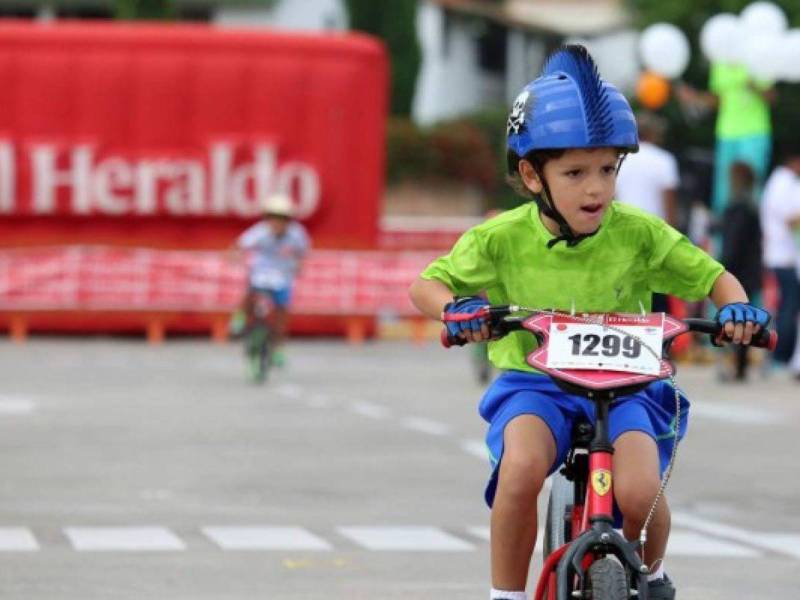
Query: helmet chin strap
{"points": [[548, 208]]}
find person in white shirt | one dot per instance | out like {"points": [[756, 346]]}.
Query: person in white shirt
{"points": [[649, 179], [780, 214], [276, 246]]}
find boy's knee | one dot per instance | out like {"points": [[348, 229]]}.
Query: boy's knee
{"points": [[636, 496], [522, 476]]}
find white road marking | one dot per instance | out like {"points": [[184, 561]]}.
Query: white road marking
{"points": [[484, 533], [10, 405], [318, 401], [481, 531], [729, 413], [786, 543], [265, 538], [776, 542], [425, 425], [690, 543], [368, 409], [131, 539], [289, 391], [410, 539], [692, 536], [17, 539], [476, 448]]}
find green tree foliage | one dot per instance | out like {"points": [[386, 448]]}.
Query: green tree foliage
{"points": [[395, 23], [690, 16], [144, 9]]}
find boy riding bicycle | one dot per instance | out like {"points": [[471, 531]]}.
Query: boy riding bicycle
{"points": [[572, 249], [278, 244]]}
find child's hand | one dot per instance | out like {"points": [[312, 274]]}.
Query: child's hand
{"points": [[471, 329], [741, 320]]}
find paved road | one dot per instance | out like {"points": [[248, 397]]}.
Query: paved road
{"points": [[158, 473]]}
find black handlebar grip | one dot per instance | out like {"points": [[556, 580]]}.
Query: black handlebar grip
{"points": [[765, 338]]}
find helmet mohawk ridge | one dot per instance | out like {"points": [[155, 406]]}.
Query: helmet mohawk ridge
{"points": [[576, 62]]}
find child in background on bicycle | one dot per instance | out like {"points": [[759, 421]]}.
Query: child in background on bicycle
{"points": [[278, 244], [572, 248]]}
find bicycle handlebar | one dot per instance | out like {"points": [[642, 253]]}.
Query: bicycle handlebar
{"points": [[501, 324]]}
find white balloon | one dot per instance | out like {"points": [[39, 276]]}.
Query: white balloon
{"points": [[790, 56], [664, 50], [763, 17], [721, 38], [762, 54]]}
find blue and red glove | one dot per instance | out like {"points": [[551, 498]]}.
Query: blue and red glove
{"points": [[742, 313], [465, 306]]}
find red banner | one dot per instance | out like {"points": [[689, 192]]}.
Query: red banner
{"points": [[173, 135]]}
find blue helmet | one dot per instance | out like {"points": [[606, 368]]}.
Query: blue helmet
{"points": [[570, 106]]}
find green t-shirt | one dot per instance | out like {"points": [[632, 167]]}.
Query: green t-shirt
{"points": [[633, 255], [742, 112]]}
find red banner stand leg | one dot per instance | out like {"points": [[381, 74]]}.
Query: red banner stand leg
{"points": [[219, 329], [19, 328], [155, 331], [356, 329]]}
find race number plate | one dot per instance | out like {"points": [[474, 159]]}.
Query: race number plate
{"points": [[576, 344]]}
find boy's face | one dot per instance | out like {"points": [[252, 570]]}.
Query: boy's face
{"points": [[581, 184], [277, 224]]}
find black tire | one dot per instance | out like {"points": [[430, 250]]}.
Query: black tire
{"points": [[264, 356], [484, 373], [557, 530], [258, 352], [608, 580]]}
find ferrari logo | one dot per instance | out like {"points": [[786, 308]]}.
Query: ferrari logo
{"points": [[601, 481]]}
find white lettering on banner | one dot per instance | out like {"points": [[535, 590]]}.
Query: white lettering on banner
{"points": [[260, 173], [116, 186], [220, 167], [184, 194], [110, 176], [307, 184], [7, 177], [46, 178]]}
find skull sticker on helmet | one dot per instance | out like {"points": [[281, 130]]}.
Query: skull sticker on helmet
{"points": [[516, 119]]}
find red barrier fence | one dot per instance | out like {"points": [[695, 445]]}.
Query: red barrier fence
{"points": [[172, 288]]}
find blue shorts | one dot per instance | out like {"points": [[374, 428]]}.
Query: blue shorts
{"points": [[280, 297], [517, 393]]}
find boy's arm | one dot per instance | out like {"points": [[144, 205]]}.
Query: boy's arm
{"points": [[430, 296]]}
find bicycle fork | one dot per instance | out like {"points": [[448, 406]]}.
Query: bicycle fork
{"points": [[598, 535]]}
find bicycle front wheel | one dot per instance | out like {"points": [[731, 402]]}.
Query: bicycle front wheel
{"points": [[608, 580]]}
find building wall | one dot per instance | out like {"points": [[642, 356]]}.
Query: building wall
{"points": [[450, 81], [296, 15], [526, 55], [616, 55]]}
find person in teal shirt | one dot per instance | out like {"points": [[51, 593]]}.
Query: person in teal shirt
{"points": [[743, 127], [572, 248]]}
